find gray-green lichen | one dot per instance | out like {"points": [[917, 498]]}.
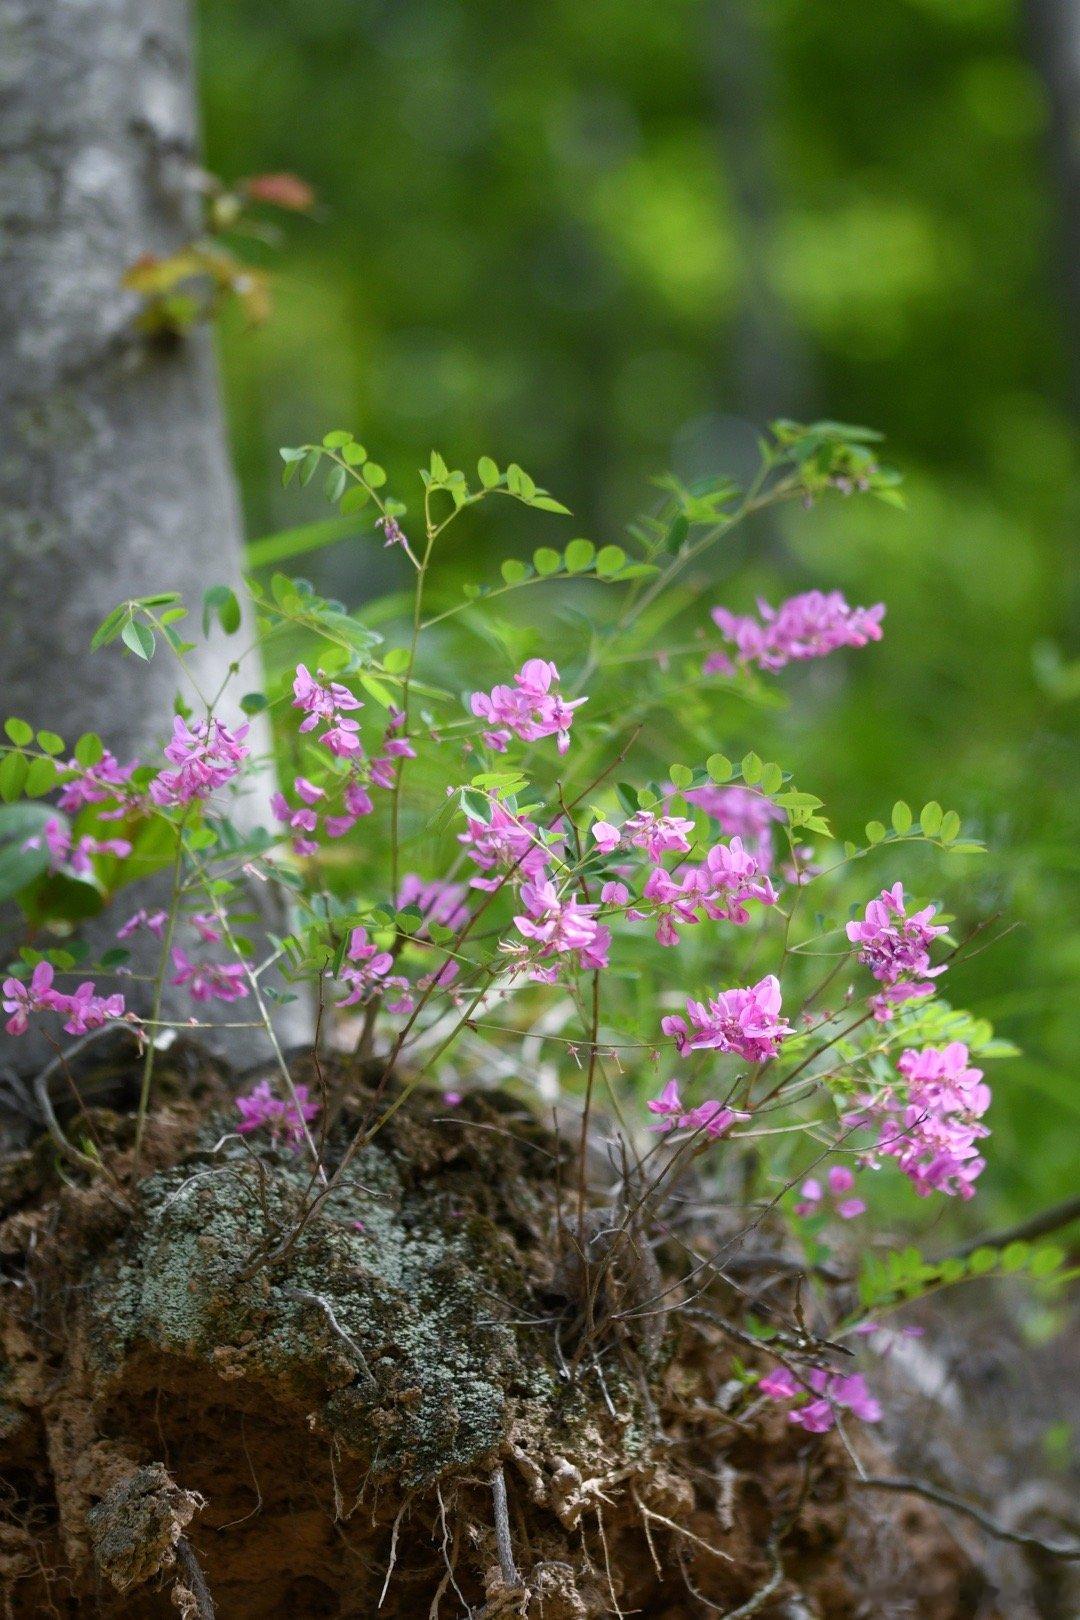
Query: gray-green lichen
{"points": [[415, 1271]]}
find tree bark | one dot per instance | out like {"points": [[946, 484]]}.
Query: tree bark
{"points": [[114, 473]]}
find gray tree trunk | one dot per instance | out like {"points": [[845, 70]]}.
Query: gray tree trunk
{"points": [[114, 473]]}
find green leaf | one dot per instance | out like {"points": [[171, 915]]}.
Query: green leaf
{"points": [[354, 498], [373, 474], [475, 805], [719, 767], [310, 466], [19, 732], [772, 778], [253, 702], [752, 768], [901, 817], [140, 638], [220, 602], [610, 560], [678, 531], [89, 750], [13, 773], [337, 440], [875, 832], [50, 742], [440, 472], [397, 660], [579, 555], [40, 778], [950, 826], [1046, 1260], [681, 775], [334, 487], [354, 454], [514, 571], [489, 472], [981, 1261], [930, 818], [109, 628], [547, 503], [546, 561]]}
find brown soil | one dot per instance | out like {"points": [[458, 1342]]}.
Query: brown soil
{"points": [[180, 1428]]}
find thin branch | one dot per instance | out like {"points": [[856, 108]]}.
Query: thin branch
{"points": [[309, 1298], [917, 1487], [1035, 1226]]}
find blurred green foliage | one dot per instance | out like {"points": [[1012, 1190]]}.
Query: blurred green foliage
{"points": [[602, 240]]}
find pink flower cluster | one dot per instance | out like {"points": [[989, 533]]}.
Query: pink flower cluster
{"points": [[366, 970], [656, 835], [506, 842], [746, 1022], [840, 1180], [207, 755], [562, 926], [284, 1118], [896, 949], [528, 709], [75, 854], [304, 821], [81, 1011], [807, 626], [328, 703], [931, 1131], [719, 887], [210, 981], [712, 1117], [96, 784], [439, 901], [827, 1391]]}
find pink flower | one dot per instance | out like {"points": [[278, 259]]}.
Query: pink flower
{"points": [[656, 835], [712, 1117], [745, 1021], [154, 922], [284, 1118], [826, 1391], [840, 1180], [76, 856], [207, 755], [807, 626], [82, 1011], [95, 784], [668, 1105], [506, 841], [528, 709], [932, 1131], [366, 971], [20, 999], [560, 925], [206, 981], [614, 894], [438, 900], [86, 1010], [208, 928], [741, 814], [327, 702], [896, 949]]}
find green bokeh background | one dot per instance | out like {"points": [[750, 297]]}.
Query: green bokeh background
{"points": [[605, 240]]}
